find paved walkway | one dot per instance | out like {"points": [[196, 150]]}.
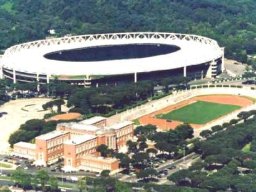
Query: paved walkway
{"points": [[18, 112]]}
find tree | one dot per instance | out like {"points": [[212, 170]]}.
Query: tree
{"points": [[178, 176], [225, 125], [147, 173], [216, 182], [161, 146], [122, 187], [166, 82], [50, 104], [124, 160], [58, 103], [81, 184], [166, 147], [198, 165], [185, 131], [21, 178], [35, 183], [103, 150], [216, 128], [105, 173], [30, 129], [140, 159], [33, 125], [205, 133], [27, 86], [244, 115], [233, 121], [53, 182], [146, 131], [18, 136], [209, 148], [43, 178], [216, 161], [142, 146], [253, 145], [132, 146], [141, 139]]}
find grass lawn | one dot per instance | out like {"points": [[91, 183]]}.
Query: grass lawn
{"points": [[136, 122], [5, 165], [200, 112]]}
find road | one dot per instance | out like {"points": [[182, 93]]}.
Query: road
{"points": [[182, 163]]}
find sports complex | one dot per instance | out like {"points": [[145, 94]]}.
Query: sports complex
{"points": [[201, 106], [92, 60], [196, 111]]}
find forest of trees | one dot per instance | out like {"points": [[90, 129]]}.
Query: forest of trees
{"points": [[227, 158], [232, 23]]}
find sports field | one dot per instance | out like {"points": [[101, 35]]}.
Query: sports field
{"points": [[199, 112]]}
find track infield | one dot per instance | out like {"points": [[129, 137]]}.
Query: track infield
{"points": [[166, 124], [199, 112]]}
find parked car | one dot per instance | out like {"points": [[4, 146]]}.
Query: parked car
{"points": [[172, 167]]}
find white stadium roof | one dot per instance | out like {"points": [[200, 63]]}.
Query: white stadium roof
{"points": [[28, 57]]}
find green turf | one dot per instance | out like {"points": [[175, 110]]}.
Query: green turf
{"points": [[200, 112], [5, 165], [136, 122]]}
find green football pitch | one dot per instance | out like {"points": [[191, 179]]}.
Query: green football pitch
{"points": [[200, 112]]}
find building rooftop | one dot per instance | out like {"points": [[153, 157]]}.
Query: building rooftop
{"points": [[25, 145], [93, 120], [120, 125], [51, 135], [79, 126], [84, 127], [79, 139]]}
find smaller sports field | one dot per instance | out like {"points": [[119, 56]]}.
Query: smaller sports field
{"points": [[199, 112]]}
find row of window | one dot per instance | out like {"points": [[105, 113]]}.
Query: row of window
{"points": [[55, 156], [57, 141], [55, 148], [86, 146], [96, 165], [91, 151], [124, 131], [24, 151]]}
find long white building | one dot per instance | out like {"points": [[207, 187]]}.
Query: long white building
{"points": [[110, 58]]}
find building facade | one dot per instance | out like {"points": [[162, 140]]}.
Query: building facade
{"points": [[73, 142], [97, 164], [23, 149], [77, 147], [50, 147]]}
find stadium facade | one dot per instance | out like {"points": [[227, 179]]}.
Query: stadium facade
{"points": [[97, 59]]}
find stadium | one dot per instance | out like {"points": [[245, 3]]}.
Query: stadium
{"points": [[97, 59]]}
